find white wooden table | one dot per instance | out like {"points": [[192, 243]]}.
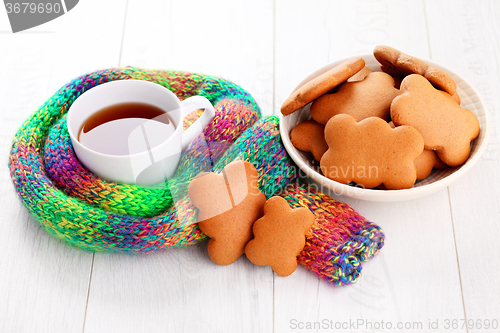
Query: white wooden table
{"points": [[441, 261]]}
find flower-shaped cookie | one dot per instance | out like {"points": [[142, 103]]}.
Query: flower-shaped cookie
{"points": [[309, 136], [427, 161], [446, 127], [369, 97], [229, 203], [370, 152], [279, 236]]}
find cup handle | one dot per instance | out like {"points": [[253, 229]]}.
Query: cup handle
{"points": [[189, 105]]}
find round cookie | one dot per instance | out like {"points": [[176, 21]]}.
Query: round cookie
{"points": [[321, 85], [446, 127], [369, 97], [309, 136], [371, 153], [395, 62]]}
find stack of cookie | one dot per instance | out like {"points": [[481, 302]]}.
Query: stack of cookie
{"points": [[383, 129]]}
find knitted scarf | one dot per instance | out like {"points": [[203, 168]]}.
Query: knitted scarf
{"points": [[78, 207]]}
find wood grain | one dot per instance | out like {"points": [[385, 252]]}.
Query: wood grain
{"points": [[43, 281], [181, 290], [441, 257], [222, 38], [419, 260], [178, 290], [475, 197]]}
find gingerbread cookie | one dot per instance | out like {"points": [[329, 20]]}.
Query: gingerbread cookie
{"points": [[370, 152], [228, 204], [360, 75], [426, 162], [446, 127], [397, 63], [397, 81], [309, 136], [279, 236], [369, 97], [321, 85]]}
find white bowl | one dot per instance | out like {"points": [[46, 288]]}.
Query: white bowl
{"points": [[437, 180]]}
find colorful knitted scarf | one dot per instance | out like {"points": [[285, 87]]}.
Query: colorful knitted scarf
{"points": [[75, 205]]}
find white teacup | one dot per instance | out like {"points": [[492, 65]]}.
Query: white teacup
{"points": [[152, 165]]}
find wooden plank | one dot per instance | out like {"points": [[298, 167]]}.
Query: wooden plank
{"points": [[397, 287], [221, 38], [44, 282], [464, 37], [181, 290], [419, 260], [309, 37], [414, 279], [178, 290]]}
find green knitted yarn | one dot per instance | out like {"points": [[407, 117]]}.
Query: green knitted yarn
{"points": [[268, 156], [117, 197]]}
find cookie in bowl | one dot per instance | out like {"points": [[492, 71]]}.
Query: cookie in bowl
{"points": [[433, 175]]}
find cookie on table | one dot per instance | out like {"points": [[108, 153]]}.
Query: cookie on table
{"points": [[369, 97], [371, 153], [309, 136], [397, 63], [229, 203], [321, 85], [446, 127], [279, 236]]}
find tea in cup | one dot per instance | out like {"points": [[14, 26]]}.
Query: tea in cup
{"points": [[131, 131]]}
